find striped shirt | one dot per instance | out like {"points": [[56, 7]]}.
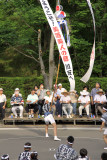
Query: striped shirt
{"points": [[66, 152]]}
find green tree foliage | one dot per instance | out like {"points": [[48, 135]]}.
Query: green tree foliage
{"points": [[19, 24]]}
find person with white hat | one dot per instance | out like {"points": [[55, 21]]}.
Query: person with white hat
{"points": [[17, 90], [48, 118], [99, 100], [84, 101], [66, 104], [17, 103], [2, 103]]}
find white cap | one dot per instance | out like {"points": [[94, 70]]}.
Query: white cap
{"points": [[59, 84], [1, 89], [17, 89], [84, 93], [47, 98]]}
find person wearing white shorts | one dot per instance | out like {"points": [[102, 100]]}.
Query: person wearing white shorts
{"points": [[48, 118], [104, 123]]}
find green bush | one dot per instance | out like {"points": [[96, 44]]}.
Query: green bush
{"points": [[27, 83]]}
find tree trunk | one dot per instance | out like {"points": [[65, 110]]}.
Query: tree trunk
{"points": [[51, 61], [45, 76]]}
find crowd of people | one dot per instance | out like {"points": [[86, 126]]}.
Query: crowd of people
{"points": [[64, 152], [58, 102], [61, 102]]}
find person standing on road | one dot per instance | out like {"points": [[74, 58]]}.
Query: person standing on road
{"points": [[48, 118], [2, 103], [104, 123], [66, 152]]}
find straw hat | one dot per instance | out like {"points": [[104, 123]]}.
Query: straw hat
{"points": [[100, 91], [84, 93], [65, 92], [47, 91]]}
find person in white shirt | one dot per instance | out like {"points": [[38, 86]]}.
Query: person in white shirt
{"points": [[84, 101], [32, 106], [99, 100], [66, 104], [2, 103]]}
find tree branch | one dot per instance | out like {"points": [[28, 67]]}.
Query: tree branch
{"points": [[32, 57]]}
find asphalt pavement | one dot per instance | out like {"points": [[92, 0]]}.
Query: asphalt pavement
{"points": [[12, 140]]}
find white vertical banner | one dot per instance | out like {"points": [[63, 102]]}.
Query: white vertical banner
{"points": [[86, 77], [63, 50]]}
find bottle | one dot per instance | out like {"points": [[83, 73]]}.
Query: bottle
{"points": [[11, 115]]}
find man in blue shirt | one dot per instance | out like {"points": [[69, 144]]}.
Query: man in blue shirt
{"points": [[93, 93], [17, 102], [32, 106]]}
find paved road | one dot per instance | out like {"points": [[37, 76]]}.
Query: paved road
{"points": [[12, 140]]}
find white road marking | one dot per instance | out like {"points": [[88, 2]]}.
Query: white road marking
{"points": [[65, 128], [48, 138]]}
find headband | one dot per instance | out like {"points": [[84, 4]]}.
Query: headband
{"points": [[70, 143], [25, 146], [7, 156]]}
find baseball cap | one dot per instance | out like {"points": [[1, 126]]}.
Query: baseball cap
{"points": [[17, 89], [1, 89], [59, 84]]}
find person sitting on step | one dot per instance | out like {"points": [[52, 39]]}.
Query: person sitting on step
{"points": [[32, 104], [17, 102], [66, 104], [84, 101]]}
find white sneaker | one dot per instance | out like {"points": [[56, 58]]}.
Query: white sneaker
{"points": [[105, 148], [67, 116], [57, 139], [29, 116], [47, 136]]}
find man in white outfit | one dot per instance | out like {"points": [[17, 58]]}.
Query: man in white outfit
{"points": [[66, 104], [17, 103], [84, 101]]}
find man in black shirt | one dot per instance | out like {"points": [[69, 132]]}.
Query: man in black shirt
{"points": [[27, 152]]}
